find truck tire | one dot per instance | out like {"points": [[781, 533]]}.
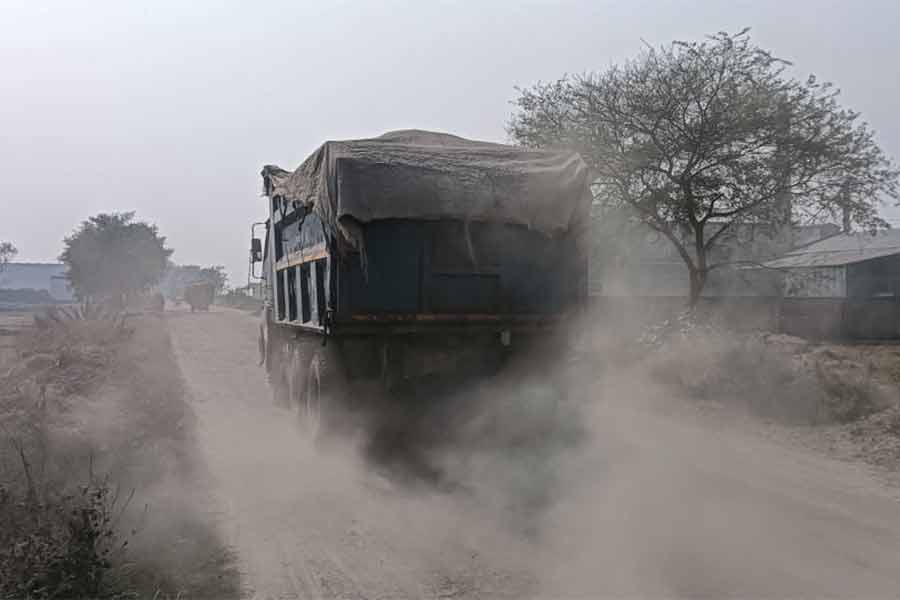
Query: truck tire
{"points": [[271, 345], [315, 395], [274, 355], [322, 399], [279, 381], [293, 365]]}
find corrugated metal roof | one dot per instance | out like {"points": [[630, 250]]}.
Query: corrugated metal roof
{"points": [[841, 250]]}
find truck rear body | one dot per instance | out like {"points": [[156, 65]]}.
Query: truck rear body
{"points": [[419, 276], [417, 255]]}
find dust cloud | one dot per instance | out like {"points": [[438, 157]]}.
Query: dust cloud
{"points": [[583, 496], [629, 491]]}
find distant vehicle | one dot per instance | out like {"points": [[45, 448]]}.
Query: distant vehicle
{"points": [[199, 295], [415, 257]]}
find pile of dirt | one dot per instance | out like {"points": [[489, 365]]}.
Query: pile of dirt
{"points": [[875, 439], [775, 376], [839, 399]]}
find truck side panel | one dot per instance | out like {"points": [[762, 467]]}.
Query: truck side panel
{"points": [[300, 272]]}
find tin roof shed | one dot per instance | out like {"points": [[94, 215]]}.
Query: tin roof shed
{"points": [[840, 250]]}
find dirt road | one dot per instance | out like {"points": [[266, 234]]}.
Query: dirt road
{"points": [[653, 506]]}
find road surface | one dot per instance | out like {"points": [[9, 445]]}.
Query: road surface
{"points": [[651, 506]]}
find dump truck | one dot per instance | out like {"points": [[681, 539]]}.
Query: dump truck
{"points": [[415, 257], [199, 295]]}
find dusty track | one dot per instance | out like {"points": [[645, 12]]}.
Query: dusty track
{"points": [[308, 526], [656, 506]]}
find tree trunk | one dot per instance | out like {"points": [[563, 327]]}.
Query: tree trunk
{"points": [[697, 280], [699, 271]]}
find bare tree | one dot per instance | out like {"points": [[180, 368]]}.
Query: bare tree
{"points": [[695, 137]]}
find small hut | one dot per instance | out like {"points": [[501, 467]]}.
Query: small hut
{"points": [[845, 286]]}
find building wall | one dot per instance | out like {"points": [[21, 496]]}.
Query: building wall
{"points": [[628, 316], [856, 301], [875, 278], [812, 318], [871, 319], [816, 282], [633, 260]]}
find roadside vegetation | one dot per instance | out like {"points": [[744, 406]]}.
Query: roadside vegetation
{"points": [[693, 139], [102, 491], [112, 257], [775, 376], [839, 398]]}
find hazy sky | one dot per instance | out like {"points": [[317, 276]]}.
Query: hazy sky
{"points": [[170, 108]]}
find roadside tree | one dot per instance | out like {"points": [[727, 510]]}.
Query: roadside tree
{"points": [[694, 138], [112, 256]]}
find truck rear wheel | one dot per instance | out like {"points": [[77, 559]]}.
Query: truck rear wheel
{"points": [[321, 402], [315, 393], [276, 356], [280, 381]]}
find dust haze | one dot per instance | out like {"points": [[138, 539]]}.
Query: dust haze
{"points": [[632, 493], [667, 454], [159, 110], [645, 484]]}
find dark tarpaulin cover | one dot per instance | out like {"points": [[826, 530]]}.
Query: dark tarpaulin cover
{"points": [[423, 175]]}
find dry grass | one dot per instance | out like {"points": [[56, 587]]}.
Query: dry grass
{"points": [[94, 396], [775, 377]]}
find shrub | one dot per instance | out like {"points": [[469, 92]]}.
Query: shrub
{"points": [[57, 544], [847, 396]]}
